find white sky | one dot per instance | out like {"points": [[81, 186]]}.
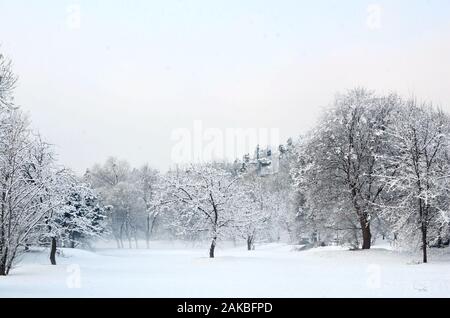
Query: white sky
{"points": [[131, 72]]}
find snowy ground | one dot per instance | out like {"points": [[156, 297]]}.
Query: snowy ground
{"points": [[272, 270]]}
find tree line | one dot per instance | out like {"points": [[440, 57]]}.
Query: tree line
{"points": [[213, 201], [377, 163], [373, 166], [41, 202]]}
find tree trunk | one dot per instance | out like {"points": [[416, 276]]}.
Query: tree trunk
{"points": [[424, 242], [250, 243], [147, 234], [212, 248], [3, 266], [151, 227], [366, 235], [423, 212], [121, 235], [53, 251], [73, 237]]}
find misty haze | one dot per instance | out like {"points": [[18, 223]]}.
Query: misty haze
{"points": [[234, 149]]}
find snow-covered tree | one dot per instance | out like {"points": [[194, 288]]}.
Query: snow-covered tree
{"points": [[111, 173], [147, 182], [417, 174], [7, 83], [83, 215], [341, 167], [77, 214], [26, 176], [44, 168], [34, 191], [126, 214], [270, 171], [127, 211], [255, 208], [205, 195]]}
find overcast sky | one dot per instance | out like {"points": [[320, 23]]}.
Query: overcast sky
{"points": [[102, 78]]}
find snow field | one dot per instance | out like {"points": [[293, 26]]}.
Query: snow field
{"points": [[272, 270]]}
